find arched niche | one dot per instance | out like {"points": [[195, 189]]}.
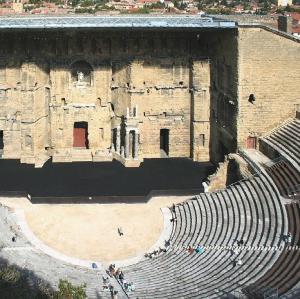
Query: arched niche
{"points": [[81, 74]]}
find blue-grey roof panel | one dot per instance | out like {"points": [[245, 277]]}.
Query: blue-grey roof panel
{"points": [[134, 21]]}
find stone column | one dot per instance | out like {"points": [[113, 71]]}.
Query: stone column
{"points": [[136, 145], [118, 141], [127, 144]]}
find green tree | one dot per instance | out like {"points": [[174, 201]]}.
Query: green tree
{"points": [[68, 291], [288, 8], [87, 3]]}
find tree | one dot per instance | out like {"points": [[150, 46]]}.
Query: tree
{"points": [[288, 8], [68, 291]]}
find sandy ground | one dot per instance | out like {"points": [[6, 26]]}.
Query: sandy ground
{"points": [[89, 231]]}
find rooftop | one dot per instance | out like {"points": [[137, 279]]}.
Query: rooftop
{"points": [[110, 22]]}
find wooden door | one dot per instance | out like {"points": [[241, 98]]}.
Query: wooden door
{"points": [[79, 137], [251, 142]]}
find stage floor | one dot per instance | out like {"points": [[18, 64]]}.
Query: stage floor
{"points": [[90, 231]]}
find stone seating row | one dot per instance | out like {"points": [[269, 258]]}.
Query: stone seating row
{"points": [[285, 272], [286, 141], [286, 178], [250, 210], [37, 266]]}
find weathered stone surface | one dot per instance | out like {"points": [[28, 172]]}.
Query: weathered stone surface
{"points": [[128, 86]]}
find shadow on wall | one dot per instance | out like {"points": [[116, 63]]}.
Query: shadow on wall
{"points": [[103, 178]]}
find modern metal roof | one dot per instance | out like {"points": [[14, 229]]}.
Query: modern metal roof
{"points": [[110, 22]]}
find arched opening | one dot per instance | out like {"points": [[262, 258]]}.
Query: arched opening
{"points": [[81, 73]]}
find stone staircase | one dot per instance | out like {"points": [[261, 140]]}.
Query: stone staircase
{"points": [[286, 141], [81, 155]]}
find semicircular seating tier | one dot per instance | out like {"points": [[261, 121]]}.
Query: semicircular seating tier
{"points": [[286, 178], [286, 141], [35, 266], [285, 272], [284, 275], [250, 210]]}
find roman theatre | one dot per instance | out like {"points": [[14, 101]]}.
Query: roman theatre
{"points": [[127, 135]]}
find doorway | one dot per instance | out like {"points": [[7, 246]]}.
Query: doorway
{"points": [[251, 142], [1, 141], [164, 142], [132, 140], [80, 135]]}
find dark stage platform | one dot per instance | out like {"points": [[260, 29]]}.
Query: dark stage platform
{"points": [[102, 181]]}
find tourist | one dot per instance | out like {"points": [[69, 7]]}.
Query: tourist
{"points": [[105, 279], [112, 269], [125, 284], [128, 288], [173, 208], [167, 243], [105, 285], [199, 249], [174, 219], [121, 277], [235, 251], [289, 238], [117, 273], [239, 262], [120, 231], [111, 289], [160, 250], [190, 250], [240, 243], [115, 293]]}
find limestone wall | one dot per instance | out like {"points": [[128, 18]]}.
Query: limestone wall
{"points": [[268, 69], [49, 82], [128, 86]]}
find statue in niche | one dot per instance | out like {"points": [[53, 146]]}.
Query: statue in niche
{"points": [[81, 80], [81, 73], [80, 77]]}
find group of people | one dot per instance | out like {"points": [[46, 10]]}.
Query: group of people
{"points": [[119, 275], [159, 250], [108, 286], [155, 252], [198, 249], [287, 238]]}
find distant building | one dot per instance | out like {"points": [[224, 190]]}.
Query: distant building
{"points": [[290, 23], [17, 6], [284, 2]]}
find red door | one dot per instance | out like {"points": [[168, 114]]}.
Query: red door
{"points": [[251, 142], [79, 137]]}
